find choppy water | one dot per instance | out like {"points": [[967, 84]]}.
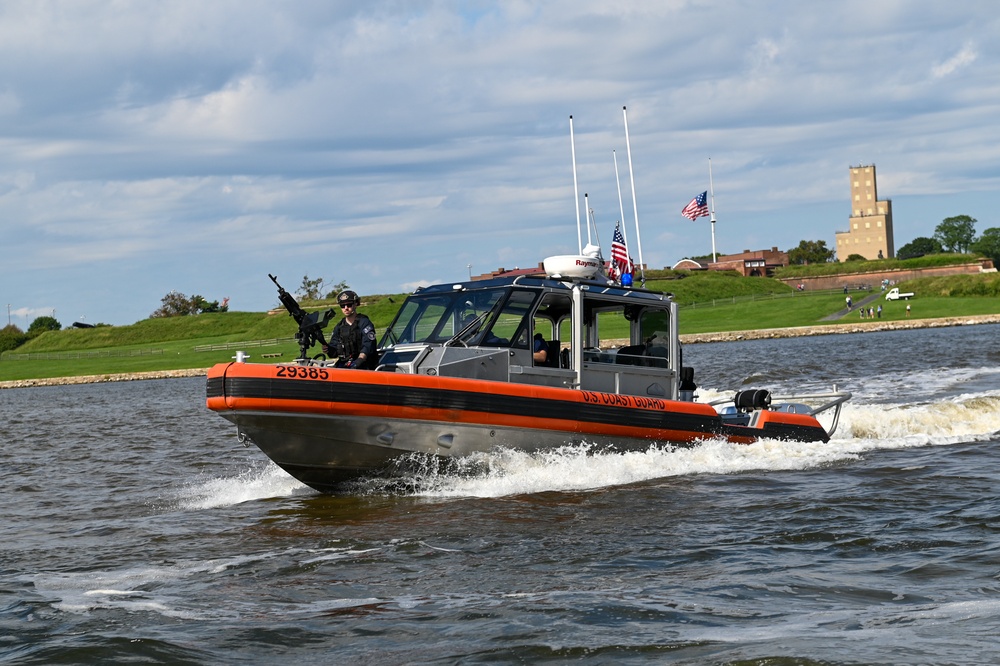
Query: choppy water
{"points": [[135, 529]]}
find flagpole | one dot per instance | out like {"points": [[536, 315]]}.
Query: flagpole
{"points": [[576, 191], [621, 206], [635, 207], [711, 189]]}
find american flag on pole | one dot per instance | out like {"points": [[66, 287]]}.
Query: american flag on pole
{"points": [[698, 207], [621, 263]]}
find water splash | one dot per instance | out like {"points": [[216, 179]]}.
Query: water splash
{"points": [[863, 428], [260, 481], [503, 472]]}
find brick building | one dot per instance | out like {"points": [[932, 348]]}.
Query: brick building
{"points": [[755, 263]]}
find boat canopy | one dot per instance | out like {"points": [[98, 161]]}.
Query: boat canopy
{"points": [[588, 329]]}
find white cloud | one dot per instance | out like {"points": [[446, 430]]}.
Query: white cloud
{"points": [[964, 57], [197, 147]]}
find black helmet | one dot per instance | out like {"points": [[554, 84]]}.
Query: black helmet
{"points": [[348, 298]]}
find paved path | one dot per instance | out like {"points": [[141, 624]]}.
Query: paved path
{"points": [[840, 314]]}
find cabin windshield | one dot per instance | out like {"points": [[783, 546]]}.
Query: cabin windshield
{"points": [[439, 317]]}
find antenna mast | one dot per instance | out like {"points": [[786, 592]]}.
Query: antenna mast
{"points": [[621, 207], [576, 191], [635, 208], [711, 189]]}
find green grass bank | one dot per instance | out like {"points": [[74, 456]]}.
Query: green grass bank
{"points": [[710, 303]]}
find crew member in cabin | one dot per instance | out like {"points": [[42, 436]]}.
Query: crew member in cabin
{"points": [[540, 350], [353, 338]]}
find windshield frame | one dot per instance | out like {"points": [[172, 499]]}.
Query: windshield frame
{"points": [[438, 317]]}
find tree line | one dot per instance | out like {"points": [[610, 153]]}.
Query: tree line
{"points": [[953, 234], [174, 304]]}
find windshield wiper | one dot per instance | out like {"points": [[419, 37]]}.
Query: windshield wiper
{"points": [[472, 326]]}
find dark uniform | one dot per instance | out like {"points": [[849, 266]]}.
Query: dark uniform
{"points": [[348, 341]]}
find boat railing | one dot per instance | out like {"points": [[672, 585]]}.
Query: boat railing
{"points": [[834, 400]]}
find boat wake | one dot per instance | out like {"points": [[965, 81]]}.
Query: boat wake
{"points": [[863, 428]]}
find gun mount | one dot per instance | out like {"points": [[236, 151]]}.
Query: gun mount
{"points": [[311, 324]]}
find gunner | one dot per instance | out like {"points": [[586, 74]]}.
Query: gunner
{"points": [[353, 338]]}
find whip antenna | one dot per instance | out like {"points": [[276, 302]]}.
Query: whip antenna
{"points": [[635, 207], [576, 191]]}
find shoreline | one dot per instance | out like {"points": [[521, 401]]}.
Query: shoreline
{"points": [[687, 338], [860, 326]]}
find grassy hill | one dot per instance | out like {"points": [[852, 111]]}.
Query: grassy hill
{"points": [[709, 302], [875, 265]]}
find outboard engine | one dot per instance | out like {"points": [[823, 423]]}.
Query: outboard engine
{"points": [[751, 401], [687, 387]]}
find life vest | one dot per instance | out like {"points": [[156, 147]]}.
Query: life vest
{"points": [[351, 343]]}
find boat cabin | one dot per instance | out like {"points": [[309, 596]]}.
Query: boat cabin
{"points": [[596, 336]]}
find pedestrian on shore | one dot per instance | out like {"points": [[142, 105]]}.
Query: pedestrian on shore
{"points": [[880, 311], [907, 309]]}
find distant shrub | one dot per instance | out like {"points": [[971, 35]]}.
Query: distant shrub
{"points": [[11, 337]]}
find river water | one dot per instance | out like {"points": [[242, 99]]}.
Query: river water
{"points": [[135, 529]]}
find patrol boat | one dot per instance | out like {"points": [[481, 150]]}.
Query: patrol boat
{"points": [[457, 376]]}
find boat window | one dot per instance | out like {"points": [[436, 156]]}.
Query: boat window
{"points": [[510, 328], [654, 326], [439, 317], [625, 334], [551, 317], [415, 320]]}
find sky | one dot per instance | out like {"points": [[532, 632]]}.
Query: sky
{"points": [[198, 146]]}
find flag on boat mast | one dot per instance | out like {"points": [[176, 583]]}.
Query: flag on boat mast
{"points": [[697, 207], [621, 264]]}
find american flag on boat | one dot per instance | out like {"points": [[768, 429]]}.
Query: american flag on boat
{"points": [[698, 207], [621, 263]]}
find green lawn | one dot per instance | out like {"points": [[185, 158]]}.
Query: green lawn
{"points": [[808, 311], [708, 304]]}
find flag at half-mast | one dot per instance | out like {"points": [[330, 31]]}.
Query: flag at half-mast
{"points": [[698, 207], [621, 263]]}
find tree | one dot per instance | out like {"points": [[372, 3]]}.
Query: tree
{"points": [[176, 304], [956, 233], [918, 247], [337, 288], [989, 244], [810, 252], [11, 337], [856, 257], [310, 289], [213, 306], [42, 324], [313, 289]]}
